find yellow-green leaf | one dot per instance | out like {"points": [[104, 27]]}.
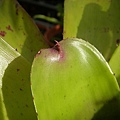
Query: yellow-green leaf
{"points": [[115, 63], [18, 29], [15, 94], [97, 21]]}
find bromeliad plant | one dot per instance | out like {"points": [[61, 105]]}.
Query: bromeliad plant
{"points": [[70, 81]]}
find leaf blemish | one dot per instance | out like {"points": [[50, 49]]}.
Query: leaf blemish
{"points": [[114, 74], [32, 97], [39, 52], [18, 69], [117, 42], [36, 113], [9, 28], [21, 89], [26, 105], [2, 33], [16, 49], [16, 8]]}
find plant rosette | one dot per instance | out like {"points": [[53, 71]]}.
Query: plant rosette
{"points": [[71, 81]]}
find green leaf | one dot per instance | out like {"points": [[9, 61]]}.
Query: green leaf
{"points": [[15, 94], [72, 81], [6, 56], [115, 63], [18, 29], [46, 18], [110, 110], [20, 40], [97, 21]]}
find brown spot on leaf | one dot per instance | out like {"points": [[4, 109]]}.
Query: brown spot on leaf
{"points": [[2, 33], [16, 49], [21, 89], [117, 42], [16, 8], [18, 69], [26, 105], [9, 28], [32, 97]]}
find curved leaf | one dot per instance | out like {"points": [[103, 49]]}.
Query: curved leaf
{"points": [[19, 30], [96, 21], [6, 56], [71, 81], [115, 63], [15, 94], [20, 40]]}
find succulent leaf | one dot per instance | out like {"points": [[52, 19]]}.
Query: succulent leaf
{"points": [[96, 21], [115, 63], [18, 29], [68, 81], [20, 40], [15, 94]]}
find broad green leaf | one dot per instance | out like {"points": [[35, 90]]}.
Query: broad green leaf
{"points": [[6, 56], [72, 81], [15, 94], [97, 21], [20, 40], [19, 30], [115, 63]]}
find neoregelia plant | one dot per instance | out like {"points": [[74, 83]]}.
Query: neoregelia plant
{"points": [[70, 81]]}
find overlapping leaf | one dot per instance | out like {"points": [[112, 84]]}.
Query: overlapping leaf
{"points": [[15, 95], [20, 40], [96, 21], [75, 83], [19, 30], [115, 63]]}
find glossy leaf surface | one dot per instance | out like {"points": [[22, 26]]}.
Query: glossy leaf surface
{"points": [[115, 63], [96, 21], [68, 81]]}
